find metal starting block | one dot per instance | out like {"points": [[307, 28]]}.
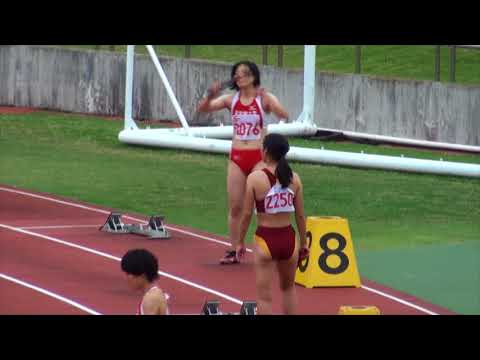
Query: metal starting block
{"points": [[249, 308], [212, 308], [154, 229], [114, 224]]}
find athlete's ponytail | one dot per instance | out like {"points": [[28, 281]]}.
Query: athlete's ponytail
{"points": [[283, 172], [277, 147]]}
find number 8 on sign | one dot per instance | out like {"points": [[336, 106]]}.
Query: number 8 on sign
{"points": [[327, 253]]}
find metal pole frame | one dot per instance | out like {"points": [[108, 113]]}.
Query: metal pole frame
{"points": [[265, 54], [437, 63], [453, 62], [280, 55], [358, 59]]}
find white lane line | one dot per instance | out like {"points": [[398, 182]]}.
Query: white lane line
{"points": [[111, 257], [55, 200], [131, 218], [398, 300], [49, 293], [202, 236], [199, 236], [108, 212], [57, 227]]}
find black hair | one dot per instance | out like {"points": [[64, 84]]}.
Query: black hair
{"points": [[140, 262], [253, 69], [277, 147]]}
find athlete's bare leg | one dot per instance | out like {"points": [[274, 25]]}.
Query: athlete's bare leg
{"points": [[236, 183], [286, 276], [264, 267]]}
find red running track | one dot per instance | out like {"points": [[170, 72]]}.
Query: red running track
{"points": [[51, 245]]}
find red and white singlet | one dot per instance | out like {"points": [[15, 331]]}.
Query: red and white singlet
{"points": [[247, 120], [278, 199]]}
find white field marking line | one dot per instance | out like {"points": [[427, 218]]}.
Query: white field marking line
{"points": [[202, 237], [108, 256], [129, 217], [55, 200], [49, 293], [108, 212], [398, 300], [57, 227]]}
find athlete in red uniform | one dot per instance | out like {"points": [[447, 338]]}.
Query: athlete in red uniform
{"points": [[248, 107], [276, 192], [141, 269]]}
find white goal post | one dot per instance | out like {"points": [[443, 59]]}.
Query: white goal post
{"points": [[214, 139]]}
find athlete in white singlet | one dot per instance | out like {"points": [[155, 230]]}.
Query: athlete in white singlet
{"points": [[141, 269]]}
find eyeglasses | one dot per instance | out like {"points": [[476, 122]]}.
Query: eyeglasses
{"points": [[245, 73]]}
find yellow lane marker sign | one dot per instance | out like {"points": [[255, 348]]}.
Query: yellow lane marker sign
{"points": [[332, 261]]}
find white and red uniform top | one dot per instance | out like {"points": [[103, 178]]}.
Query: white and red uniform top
{"points": [[247, 120], [140, 305], [278, 199]]}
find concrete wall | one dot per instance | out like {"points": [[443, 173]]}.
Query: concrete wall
{"points": [[94, 82], [424, 110]]}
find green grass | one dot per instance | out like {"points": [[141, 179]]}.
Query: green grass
{"points": [[424, 271], [80, 157], [393, 61]]}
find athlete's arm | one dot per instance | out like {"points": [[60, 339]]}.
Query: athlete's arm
{"points": [[270, 103], [300, 212], [214, 103]]}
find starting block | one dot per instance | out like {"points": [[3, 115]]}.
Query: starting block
{"points": [[212, 308], [154, 229], [248, 308], [358, 310], [114, 224]]}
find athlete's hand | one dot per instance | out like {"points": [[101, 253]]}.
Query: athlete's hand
{"points": [[303, 254], [214, 90]]}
